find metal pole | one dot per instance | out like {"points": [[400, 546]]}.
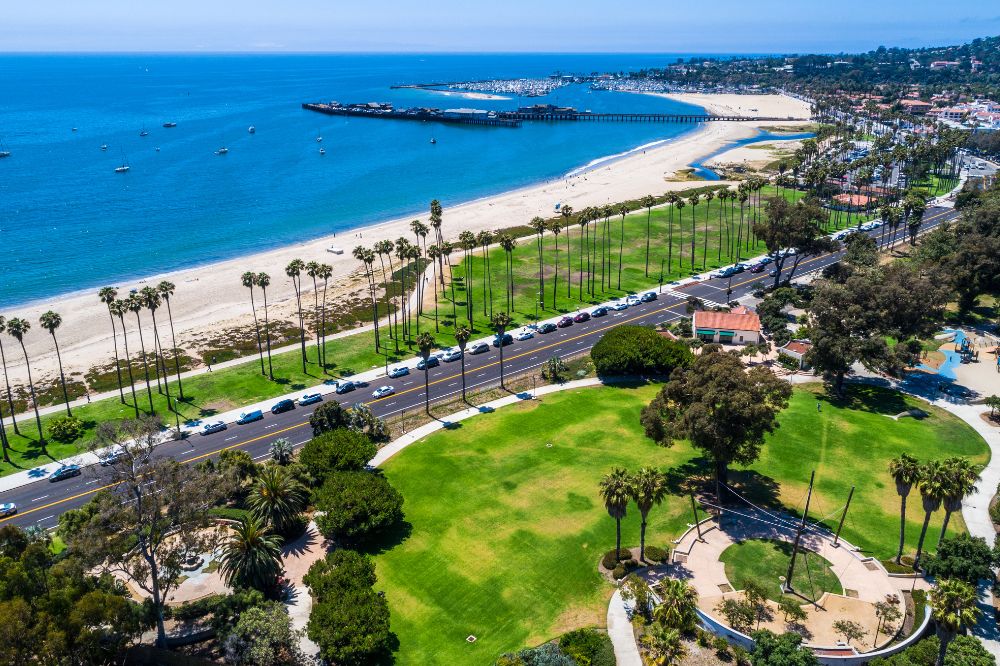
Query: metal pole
{"points": [[694, 512], [798, 535], [836, 537]]}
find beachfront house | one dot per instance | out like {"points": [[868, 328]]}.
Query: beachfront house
{"points": [[741, 326]]}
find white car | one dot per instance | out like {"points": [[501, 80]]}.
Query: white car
{"points": [[632, 299], [399, 371], [214, 426], [383, 391], [619, 305], [8, 509], [452, 354], [523, 334]]}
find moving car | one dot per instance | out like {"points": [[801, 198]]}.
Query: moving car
{"points": [[523, 334], [758, 268], [479, 348], [345, 386], [648, 297], [547, 327], [619, 305], [399, 371], [582, 317], [310, 398], [383, 391], [65, 472], [250, 417], [632, 299], [7, 509], [112, 457], [507, 339], [599, 312], [452, 354], [431, 362], [564, 322], [214, 426], [283, 406]]}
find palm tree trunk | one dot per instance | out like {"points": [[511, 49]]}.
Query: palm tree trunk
{"points": [[3, 439], [649, 212], [618, 539], [920, 543], [569, 266], [128, 366], [642, 539], [256, 326], [145, 364], [316, 323], [62, 378], [297, 284], [177, 363], [10, 395], [118, 367], [902, 527], [621, 248], [944, 526], [267, 337], [34, 401]]}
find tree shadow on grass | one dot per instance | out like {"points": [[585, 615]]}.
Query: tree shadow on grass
{"points": [[867, 398], [689, 475], [387, 540], [755, 487]]}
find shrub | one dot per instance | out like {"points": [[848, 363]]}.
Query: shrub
{"points": [[548, 654], [630, 565], [787, 361], [721, 647], [703, 638], [638, 350], [66, 429], [328, 416], [619, 572], [655, 554], [610, 559], [588, 646], [962, 651], [356, 505], [340, 450]]}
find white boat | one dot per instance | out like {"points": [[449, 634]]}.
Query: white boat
{"points": [[122, 169], [252, 129], [104, 146], [170, 124], [319, 137], [322, 151], [143, 132], [434, 140], [3, 151], [222, 151], [335, 250]]}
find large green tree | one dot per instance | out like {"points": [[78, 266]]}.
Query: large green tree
{"points": [[251, 556], [355, 506]]}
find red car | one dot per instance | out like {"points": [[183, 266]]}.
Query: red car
{"points": [[564, 322], [583, 316]]}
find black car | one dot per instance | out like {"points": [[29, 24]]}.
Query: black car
{"points": [[431, 362], [283, 406], [547, 327], [564, 322], [506, 340], [648, 296], [345, 387]]}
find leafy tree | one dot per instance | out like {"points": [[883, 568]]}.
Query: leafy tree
{"points": [[756, 597], [239, 462], [993, 402], [966, 558], [887, 611], [263, 636], [783, 650], [723, 409], [792, 610], [328, 416], [251, 557], [638, 350], [850, 630], [792, 225], [738, 612], [962, 651], [340, 450], [635, 589], [953, 608], [588, 646], [357, 505]]}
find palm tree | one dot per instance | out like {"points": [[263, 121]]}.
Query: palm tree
{"points": [[446, 250], [134, 304], [649, 488], [325, 272], [679, 605], [435, 221], [50, 321], [277, 498], [420, 230], [425, 342], [151, 299], [583, 221], [663, 646], [679, 205], [962, 477], [538, 224], [251, 558], [382, 249], [623, 211], [555, 228], [294, 271], [249, 280], [483, 240], [905, 471], [403, 254], [467, 240], [567, 213], [954, 609], [508, 243], [704, 241], [18, 328], [166, 290], [694, 200], [933, 485], [281, 451], [118, 309], [434, 253], [462, 335], [312, 270], [648, 202], [499, 324], [414, 254], [6, 379], [108, 296], [263, 280], [616, 491]]}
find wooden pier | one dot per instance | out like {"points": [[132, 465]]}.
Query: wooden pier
{"points": [[628, 117], [423, 115]]}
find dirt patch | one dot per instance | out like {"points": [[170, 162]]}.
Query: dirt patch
{"points": [[991, 419]]}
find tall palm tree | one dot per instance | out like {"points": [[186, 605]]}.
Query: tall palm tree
{"points": [[704, 240], [402, 248], [277, 498], [484, 239], [435, 221], [962, 478], [50, 321], [649, 488], [166, 290], [18, 328], [324, 273], [694, 200], [249, 279], [933, 485], [623, 211], [499, 324], [583, 221], [434, 254], [263, 280], [616, 491], [414, 253], [555, 228], [108, 296], [118, 309], [135, 306], [508, 243], [954, 609], [367, 259], [425, 342], [446, 250], [606, 211], [151, 300], [384, 249], [538, 224], [679, 205], [251, 557], [294, 271], [312, 270], [567, 213], [905, 471], [648, 202], [462, 335], [678, 609], [420, 230], [6, 379], [467, 240]]}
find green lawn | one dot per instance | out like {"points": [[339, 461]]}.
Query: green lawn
{"points": [[764, 561], [504, 532]]}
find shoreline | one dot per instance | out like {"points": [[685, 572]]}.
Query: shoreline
{"points": [[199, 313]]}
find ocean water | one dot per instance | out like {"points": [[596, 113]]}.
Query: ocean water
{"points": [[69, 222]]}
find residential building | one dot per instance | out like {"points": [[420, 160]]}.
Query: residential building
{"points": [[740, 326]]}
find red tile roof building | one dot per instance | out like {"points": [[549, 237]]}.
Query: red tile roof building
{"points": [[739, 327]]}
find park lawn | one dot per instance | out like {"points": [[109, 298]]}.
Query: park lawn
{"points": [[765, 560], [505, 532], [935, 185]]}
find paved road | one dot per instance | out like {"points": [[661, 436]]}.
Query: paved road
{"points": [[40, 503]]}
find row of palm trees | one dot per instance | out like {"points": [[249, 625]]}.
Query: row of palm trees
{"points": [[647, 488], [940, 483]]}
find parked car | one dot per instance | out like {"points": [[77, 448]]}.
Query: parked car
{"points": [[65, 472], [523, 334], [7, 509], [283, 406], [582, 317], [547, 327], [599, 312], [632, 299], [383, 391], [310, 399], [345, 386], [773, 273], [214, 426], [766, 260], [250, 417], [113, 456], [564, 322], [452, 354], [507, 339], [479, 348], [431, 362], [619, 305], [758, 268], [399, 371], [648, 297]]}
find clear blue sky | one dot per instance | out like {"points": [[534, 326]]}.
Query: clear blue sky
{"points": [[662, 26]]}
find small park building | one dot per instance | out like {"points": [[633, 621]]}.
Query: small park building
{"points": [[741, 326]]}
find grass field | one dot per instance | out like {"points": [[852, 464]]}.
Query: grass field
{"points": [[504, 532], [764, 560]]}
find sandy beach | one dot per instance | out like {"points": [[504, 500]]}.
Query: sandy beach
{"points": [[210, 298]]}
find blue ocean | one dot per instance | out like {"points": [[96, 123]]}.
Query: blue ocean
{"points": [[68, 221]]}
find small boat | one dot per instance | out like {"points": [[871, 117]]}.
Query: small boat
{"points": [[222, 151], [74, 129], [104, 146], [157, 149], [322, 151], [122, 169], [170, 124], [143, 132], [3, 151], [434, 141], [252, 129], [319, 137]]}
